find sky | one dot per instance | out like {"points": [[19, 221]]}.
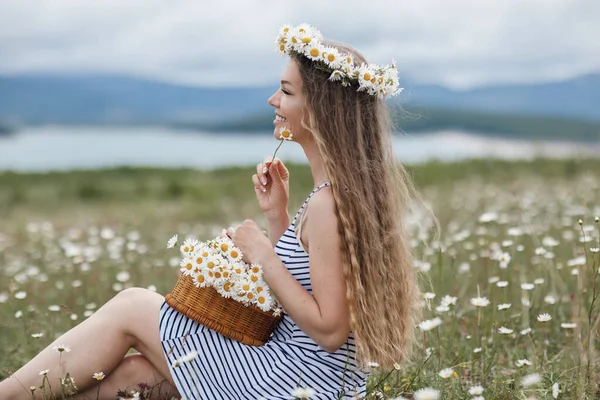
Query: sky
{"points": [[455, 43]]}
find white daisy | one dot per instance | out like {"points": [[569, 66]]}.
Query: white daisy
{"points": [[98, 376], [503, 306], [264, 301], [505, 331], [544, 317], [522, 363], [531, 380], [476, 391], [189, 247], [186, 266], [430, 324], [172, 242], [568, 325], [61, 348], [526, 331], [480, 301], [234, 254], [303, 393], [448, 300], [332, 57], [337, 75], [285, 133], [446, 373], [426, 394], [527, 286]]}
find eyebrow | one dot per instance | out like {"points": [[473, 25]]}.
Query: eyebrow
{"points": [[283, 82]]}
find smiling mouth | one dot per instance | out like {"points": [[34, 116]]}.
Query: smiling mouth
{"points": [[280, 119]]}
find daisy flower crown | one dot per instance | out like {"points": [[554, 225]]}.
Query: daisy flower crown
{"points": [[380, 81]]}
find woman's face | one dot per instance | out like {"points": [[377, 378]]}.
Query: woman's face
{"points": [[289, 103]]}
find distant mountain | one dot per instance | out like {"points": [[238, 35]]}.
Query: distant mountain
{"points": [[578, 98], [125, 100], [120, 100]]}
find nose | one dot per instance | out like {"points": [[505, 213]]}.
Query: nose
{"points": [[274, 99]]}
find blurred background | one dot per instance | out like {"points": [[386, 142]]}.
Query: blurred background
{"points": [[185, 83]]}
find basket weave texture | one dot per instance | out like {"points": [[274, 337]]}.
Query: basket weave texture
{"points": [[246, 324]]}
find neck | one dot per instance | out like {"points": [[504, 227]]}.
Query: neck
{"points": [[317, 167]]}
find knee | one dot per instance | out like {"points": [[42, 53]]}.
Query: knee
{"points": [[130, 299]]}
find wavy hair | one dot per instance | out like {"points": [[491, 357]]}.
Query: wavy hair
{"points": [[372, 193]]}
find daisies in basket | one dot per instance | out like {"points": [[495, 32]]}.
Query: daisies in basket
{"points": [[218, 263]]}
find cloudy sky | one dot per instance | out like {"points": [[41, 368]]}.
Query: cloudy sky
{"points": [[457, 43]]}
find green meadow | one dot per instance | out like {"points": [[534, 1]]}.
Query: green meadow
{"points": [[510, 286]]}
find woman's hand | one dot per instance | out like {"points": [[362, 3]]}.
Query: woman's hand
{"points": [[272, 187], [251, 240]]}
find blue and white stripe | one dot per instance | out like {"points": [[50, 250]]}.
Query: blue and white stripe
{"points": [[229, 370]]}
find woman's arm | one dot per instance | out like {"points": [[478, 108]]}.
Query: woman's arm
{"points": [[277, 225], [324, 315]]}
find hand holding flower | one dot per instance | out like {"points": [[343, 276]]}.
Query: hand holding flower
{"points": [[251, 240]]}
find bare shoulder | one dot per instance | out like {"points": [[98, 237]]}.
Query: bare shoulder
{"points": [[323, 219]]}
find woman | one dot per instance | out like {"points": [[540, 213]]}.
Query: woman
{"points": [[342, 269]]}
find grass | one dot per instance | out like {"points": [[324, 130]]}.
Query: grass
{"points": [[487, 210]]}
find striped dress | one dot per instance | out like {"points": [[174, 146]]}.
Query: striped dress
{"points": [[229, 370]]}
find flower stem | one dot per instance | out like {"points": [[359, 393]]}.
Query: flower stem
{"points": [[280, 143]]}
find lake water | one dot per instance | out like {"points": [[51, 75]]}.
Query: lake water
{"points": [[63, 148]]}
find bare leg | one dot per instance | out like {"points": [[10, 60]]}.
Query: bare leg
{"points": [[133, 370], [98, 344]]}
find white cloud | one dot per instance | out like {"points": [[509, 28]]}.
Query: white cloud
{"points": [[458, 43]]}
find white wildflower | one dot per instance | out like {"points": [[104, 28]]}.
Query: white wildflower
{"points": [[303, 393], [446, 373], [476, 391], [426, 394], [480, 301], [430, 324], [544, 317], [530, 380], [172, 242]]}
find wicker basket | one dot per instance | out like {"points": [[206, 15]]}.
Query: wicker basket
{"points": [[247, 324]]}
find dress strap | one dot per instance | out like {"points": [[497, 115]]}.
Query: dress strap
{"points": [[315, 190]]}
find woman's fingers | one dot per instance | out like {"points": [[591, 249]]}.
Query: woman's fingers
{"points": [[258, 185], [261, 175]]}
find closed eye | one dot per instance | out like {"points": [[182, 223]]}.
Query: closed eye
{"points": [[284, 91]]}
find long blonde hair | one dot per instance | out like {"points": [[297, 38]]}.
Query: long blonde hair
{"points": [[372, 192]]}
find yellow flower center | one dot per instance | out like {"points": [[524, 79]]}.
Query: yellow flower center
{"points": [[199, 260], [250, 295], [217, 275], [314, 52], [227, 287], [281, 47], [186, 249], [349, 59], [255, 269], [234, 254], [306, 39], [246, 287], [254, 278], [294, 40], [259, 289], [367, 76], [188, 266], [224, 247], [286, 30], [200, 278], [331, 57], [261, 300], [285, 133]]}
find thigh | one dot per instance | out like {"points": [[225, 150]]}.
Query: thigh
{"points": [[142, 309]]}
